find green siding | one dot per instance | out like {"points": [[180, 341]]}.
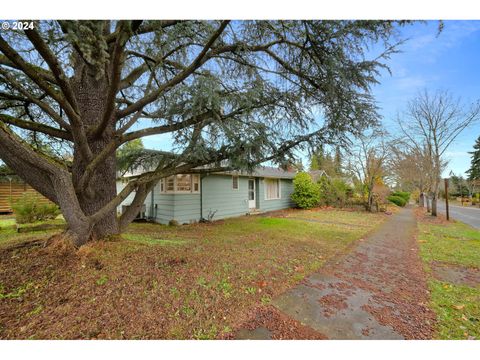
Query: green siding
{"points": [[184, 208], [286, 189], [219, 196]]}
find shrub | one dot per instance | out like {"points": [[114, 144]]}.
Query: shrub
{"points": [[306, 194], [334, 191], [397, 200], [403, 194], [28, 210]]}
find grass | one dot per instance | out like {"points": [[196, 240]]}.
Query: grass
{"points": [[194, 281], [457, 306]]}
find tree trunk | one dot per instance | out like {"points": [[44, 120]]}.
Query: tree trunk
{"points": [[101, 189], [421, 200], [434, 204], [428, 203]]}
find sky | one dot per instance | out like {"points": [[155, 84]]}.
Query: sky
{"points": [[428, 60], [449, 61]]}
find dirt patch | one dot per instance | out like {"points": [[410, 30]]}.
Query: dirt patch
{"points": [[274, 325], [423, 216], [456, 274]]}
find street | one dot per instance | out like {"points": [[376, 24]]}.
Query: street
{"points": [[468, 215]]}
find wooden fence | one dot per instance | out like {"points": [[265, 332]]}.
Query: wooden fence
{"points": [[12, 191]]}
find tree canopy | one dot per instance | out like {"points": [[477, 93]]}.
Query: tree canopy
{"points": [[242, 91], [474, 171]]}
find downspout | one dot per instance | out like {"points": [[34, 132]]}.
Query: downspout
{"points": [[152, 206], [201, 197]]}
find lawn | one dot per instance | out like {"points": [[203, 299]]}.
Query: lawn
{"points": [[451, 253], [194, 281]]}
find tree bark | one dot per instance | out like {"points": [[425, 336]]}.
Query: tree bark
{"points": [[421, 200], [428, 203], [101, 188]]}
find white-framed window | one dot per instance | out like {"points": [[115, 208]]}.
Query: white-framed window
{"points": [[272, 189], [195, 183], [183, 183], [180, 183], [170, 184], [235, 182]]}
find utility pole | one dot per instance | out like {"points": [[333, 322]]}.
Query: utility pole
{"points": [[446, 198]]}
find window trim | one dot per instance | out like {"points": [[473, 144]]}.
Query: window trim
{"points": [[238, 183], [175, 191], [279, 182]]}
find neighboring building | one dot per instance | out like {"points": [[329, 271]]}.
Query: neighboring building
{"points": [[318, 174], [188, 198]]}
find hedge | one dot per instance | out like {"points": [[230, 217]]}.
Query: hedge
{"points": [[397, 200]]}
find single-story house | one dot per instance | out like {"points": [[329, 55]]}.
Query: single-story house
{"points": [[189, 198]]}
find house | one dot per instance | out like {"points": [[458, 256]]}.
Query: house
{"points": [[189, 198], [318, 174]]}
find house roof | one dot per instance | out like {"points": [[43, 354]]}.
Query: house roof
{"points": [[317, 174], [265, 171]]}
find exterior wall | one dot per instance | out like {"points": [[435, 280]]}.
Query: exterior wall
{"points": [[128, 200], [286, 189], [184, 208], [218, 196]]}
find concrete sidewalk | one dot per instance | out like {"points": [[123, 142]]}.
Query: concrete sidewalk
{"points": [[378, 291]]}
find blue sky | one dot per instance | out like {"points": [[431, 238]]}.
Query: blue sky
{"points": [[449, 61]]}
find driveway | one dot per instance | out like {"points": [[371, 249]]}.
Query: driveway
{"points": [[468, 215]]}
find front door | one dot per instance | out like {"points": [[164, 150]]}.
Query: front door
{"points": [[251, 193]]}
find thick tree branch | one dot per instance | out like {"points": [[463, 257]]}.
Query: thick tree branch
{"points": [[35, 169], [31, 98], [44, 74], [30, 71], [199, 60], [33, 126], [52, 62], [115, 76], [144, 29]]}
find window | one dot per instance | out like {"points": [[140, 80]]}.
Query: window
{"points": [[181, 183], [184, 183], [235, 182], [170, 184], [272, 189], [196, 183]]}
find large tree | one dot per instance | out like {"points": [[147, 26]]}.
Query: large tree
{"points": [[430, 124], [410, 167], [474, 171], [240, 91]]}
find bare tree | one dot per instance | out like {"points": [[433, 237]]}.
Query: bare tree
{"points": [[410, 168], [430, 124], [367, 161]]}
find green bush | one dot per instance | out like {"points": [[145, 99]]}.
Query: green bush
{"points": [[306, 194], [28, 210], [397, 200], [403, 194], [334, 192]]}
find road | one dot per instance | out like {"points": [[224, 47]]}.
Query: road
{"points": [[468, 215]]}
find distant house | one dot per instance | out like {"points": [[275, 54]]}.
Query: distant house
{"points": [[189, 198], [318, 174]]}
